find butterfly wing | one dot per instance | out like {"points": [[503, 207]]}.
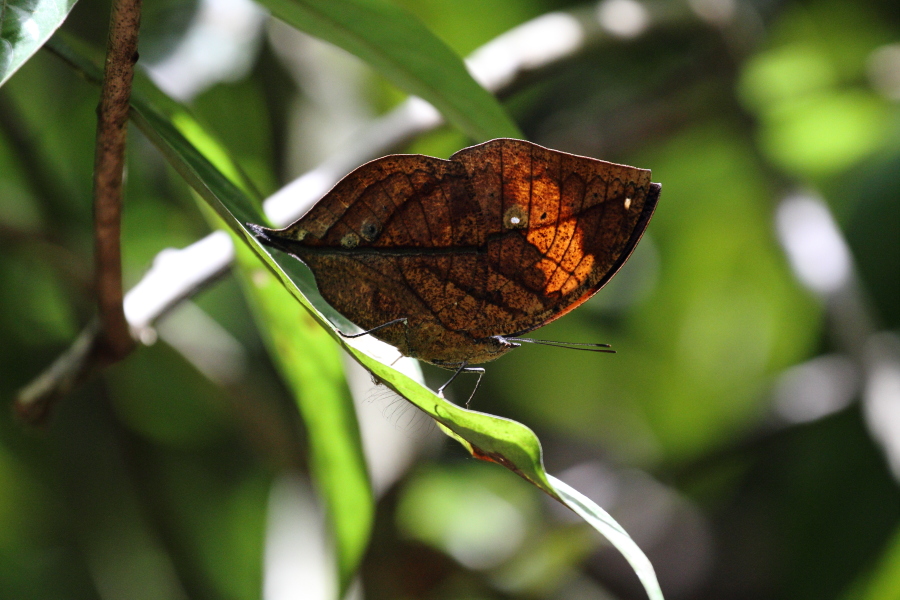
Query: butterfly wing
{"points": [[501, 239], [399, 237], [558, 227]]}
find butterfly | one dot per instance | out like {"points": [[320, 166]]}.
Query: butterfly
{"points": [[451, 261]]}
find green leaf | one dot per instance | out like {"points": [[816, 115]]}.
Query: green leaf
{"points": [[25, 25], [487, 437], [308, 359], [600, 520], [310, 363], [403, 50]]}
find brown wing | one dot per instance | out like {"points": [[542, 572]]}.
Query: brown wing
{"points": [[559, 226], [501, 239], [398, 202], [399, 237]]}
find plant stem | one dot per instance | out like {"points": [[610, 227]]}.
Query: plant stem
{"points": [[109, 166], [108, 338]]}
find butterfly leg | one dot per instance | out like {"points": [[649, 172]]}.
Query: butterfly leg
{"points": [[403, 320], [464, 368]]}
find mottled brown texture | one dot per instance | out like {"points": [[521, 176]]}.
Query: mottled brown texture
{"points": [[109, 165], [503, 238]]}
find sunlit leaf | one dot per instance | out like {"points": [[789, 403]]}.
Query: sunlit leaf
{"points": [[600, 520], [310, 363]]}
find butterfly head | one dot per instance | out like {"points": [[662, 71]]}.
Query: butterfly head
{"points": [[286, 239]]}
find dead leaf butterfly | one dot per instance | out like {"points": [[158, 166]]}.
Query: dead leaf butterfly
{"points": [[451, 260]]}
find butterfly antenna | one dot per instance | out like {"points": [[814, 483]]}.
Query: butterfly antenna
{"points": [[568, 345]]}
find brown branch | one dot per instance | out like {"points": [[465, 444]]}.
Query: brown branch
{"points": [[106, 339], [109, 165]]}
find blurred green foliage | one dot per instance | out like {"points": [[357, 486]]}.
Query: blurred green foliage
{"points": [[156, 480]]}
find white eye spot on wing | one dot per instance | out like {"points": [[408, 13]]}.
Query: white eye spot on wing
{"points": [[515, 218], [627, 203]]}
